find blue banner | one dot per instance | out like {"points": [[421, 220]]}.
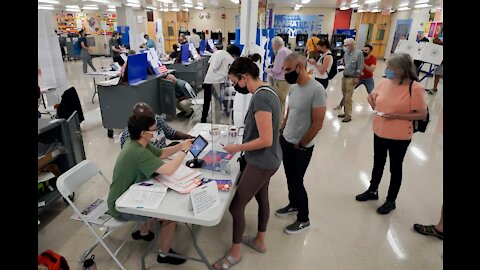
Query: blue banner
{"points": [[298, 24]]}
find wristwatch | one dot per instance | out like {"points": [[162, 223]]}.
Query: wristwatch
{"points": [[185, 151]]}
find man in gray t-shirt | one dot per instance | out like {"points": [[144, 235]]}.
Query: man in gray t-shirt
{"points": [[354, 61], [304, 119], [115, 48]]}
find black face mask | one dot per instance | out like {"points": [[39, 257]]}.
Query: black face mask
{"points": [[292, 76], [241, 90], [365, 54]]}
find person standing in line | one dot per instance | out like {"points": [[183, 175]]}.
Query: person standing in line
{"points": [[262, 155], [218, 65], [367, 75], [392, 125], [438, 71], [311, 50], [303, 120], [85, 52], [277, 73], [353, 61], [115, 49], [195, 39], [324, 64], [432, 230]]}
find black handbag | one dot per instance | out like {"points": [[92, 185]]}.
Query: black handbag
{"points": [[242, 161], [419, 125]]}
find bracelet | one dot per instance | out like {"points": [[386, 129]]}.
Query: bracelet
{"points": [[184, 151]]}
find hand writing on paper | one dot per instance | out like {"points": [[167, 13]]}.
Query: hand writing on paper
{"points": [[232, 148]]}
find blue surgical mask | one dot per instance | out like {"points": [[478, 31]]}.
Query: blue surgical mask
{"points": [[345, 49], [390, 74]]}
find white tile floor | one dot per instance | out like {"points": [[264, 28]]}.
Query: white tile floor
{"points": [[345, 234]]}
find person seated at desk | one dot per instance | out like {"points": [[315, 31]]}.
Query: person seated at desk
{"points": [[164, 131], [182, 40], [174, 54], [149, 44], [182, 96], [137, 162]]}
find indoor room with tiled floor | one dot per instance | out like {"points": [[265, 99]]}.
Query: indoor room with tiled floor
{"points": [[344, 233]]}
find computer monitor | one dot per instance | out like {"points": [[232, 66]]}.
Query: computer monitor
{"points": [[198, 146], [301, 43], [338, 44], [231, 38], [216, 37]]}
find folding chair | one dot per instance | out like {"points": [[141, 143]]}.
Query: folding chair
{"points": [[68, 183], [197, 103]]}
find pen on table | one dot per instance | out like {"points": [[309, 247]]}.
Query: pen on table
{"points": [[222, 144]]}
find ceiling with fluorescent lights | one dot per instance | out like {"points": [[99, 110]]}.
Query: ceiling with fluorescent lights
{"points": [[364, 4]]}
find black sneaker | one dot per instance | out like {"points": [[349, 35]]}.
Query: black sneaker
{"points": [[181, 114], [386, 208], [287, 210], [367, 195], [149, 237], [297, 227], [170, 260]]}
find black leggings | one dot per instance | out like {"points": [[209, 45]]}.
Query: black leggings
{"points": [[324, 82], [396, 150], [207, 99], [252, 182]]}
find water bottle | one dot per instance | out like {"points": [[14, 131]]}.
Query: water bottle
{"points": [[225, 166]]}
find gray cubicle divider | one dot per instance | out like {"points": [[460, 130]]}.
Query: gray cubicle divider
{"points": [[194, 72], [116, 102]]}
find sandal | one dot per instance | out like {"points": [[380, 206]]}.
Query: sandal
{"points": [[249, 241], [428, 230], [226, 262]]}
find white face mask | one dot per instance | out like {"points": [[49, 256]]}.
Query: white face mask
{"points": [[155, 136]]}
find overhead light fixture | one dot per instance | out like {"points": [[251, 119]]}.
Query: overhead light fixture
{"points": [[403, 8], [132, 5], [99, 1], [111, 10], [306, 1], [90, 8], [344, 8], [46, 7], [361, 10], [72, 6], [151, 7], [235, 1], [200, 4], [371, 1], [133, 1], [112, 7], [175, 9], [355, 5], [375, 10], [185, 9], [297, 7], [198, 7], [73, 10], [423, 6], [48, 2], [166, 1], [187, 5], [421, 1]]}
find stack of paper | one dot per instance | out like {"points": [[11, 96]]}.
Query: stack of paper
{"points": [[96, 212], [183, 180], [147, 195]]}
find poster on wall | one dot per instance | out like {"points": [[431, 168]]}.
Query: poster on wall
{"points": [[431, 31], [402, 29], [298, 24], [438, 30]]}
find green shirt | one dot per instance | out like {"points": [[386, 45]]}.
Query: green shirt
{"points": [[135, 163]]}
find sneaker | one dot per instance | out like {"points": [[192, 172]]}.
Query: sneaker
{"points": [[180, 114], [386, 208], [169, 259], [345, 120], [287, 210], [297, 227], [341, 115], [137, 236], [339, 107], [367, 195]]}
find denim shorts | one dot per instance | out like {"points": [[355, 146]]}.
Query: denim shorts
{"points": [[368, 82], [131, 217]]}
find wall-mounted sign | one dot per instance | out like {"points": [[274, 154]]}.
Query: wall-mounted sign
{"points": [[298, 24]]}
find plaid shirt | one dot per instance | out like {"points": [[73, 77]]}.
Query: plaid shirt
{"points": [[163, 129]]}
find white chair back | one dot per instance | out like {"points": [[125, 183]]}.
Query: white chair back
{"points": [[71, 180]]}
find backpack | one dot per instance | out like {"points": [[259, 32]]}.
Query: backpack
{"points": [[333, 69], [52, 260], [419, 125]]}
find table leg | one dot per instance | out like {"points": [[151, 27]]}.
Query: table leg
{"points": [[152, 243], [193, 232], [94, 88], [110, 133]]}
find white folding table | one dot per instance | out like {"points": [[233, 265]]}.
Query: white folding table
{"points": [[103, 74], [176, 206]]}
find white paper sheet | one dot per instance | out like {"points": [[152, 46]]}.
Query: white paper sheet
{"points": [[141, 199], [204, 198]]}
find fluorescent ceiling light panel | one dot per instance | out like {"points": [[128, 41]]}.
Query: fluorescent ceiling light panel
{"points": [[152, 7], [198, 7], [200, 4], [423, 6], [185, 9], [235, 1], [361, 10], [344, 8], [306, 1], [72, 6], [355, 5], [73, 10], [112, 7], [188, 5], [100, 1], [46, 7], [403, 8], [375, 10], [133, 5], [111, 10], [421, 1], [166, 1], [296, 8], [90, 8], [371, 1], [48, 2], [133, 1], [175, 9]]}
